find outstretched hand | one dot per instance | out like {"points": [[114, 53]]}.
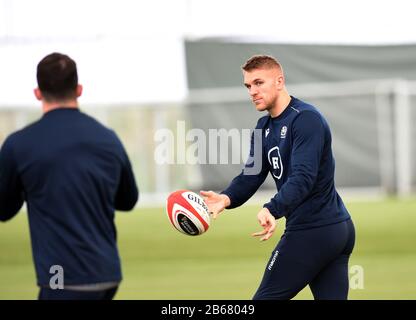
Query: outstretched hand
{"points": [[216, 202], [268, 222]]}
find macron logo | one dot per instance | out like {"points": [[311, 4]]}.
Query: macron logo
{"points": [[267, 132], [283, 132], [273, 260]]}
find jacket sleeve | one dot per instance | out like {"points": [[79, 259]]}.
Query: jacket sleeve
{"points": [[11, 190], [127, 193], [243, 186], [308, 134]]}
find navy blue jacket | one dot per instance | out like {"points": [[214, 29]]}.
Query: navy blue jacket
{"points": [[73, 174], [295, 148]]}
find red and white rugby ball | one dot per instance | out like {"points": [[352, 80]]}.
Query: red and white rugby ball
{"points": [[188, 212]]}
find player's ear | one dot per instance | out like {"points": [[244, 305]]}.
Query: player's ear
{"points": [[38, 94], [79, 90], [280, 82]]}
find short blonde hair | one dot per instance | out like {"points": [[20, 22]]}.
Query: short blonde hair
{"points": [[261, 61]]}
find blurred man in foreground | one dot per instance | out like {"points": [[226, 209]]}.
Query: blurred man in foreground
{"points": [[73, 174]]}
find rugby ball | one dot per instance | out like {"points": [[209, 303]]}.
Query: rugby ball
{"points": [[188, 212]]}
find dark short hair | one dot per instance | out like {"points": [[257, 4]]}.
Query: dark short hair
{"points": [[57, 77], [261, 61]]}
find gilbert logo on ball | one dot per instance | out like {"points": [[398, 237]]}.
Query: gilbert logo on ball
{"points": [[188, 212]]}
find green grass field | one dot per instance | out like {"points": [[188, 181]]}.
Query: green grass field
{"points": [[226, 262]]}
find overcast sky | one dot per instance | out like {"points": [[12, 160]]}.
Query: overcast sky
{"points": [[115, 42]]}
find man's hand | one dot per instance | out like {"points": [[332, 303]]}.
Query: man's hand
{"points": [[216, 202], [268, 222]]}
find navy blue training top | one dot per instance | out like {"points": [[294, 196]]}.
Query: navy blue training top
{"points": [[73, 173], [295, 147]]}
